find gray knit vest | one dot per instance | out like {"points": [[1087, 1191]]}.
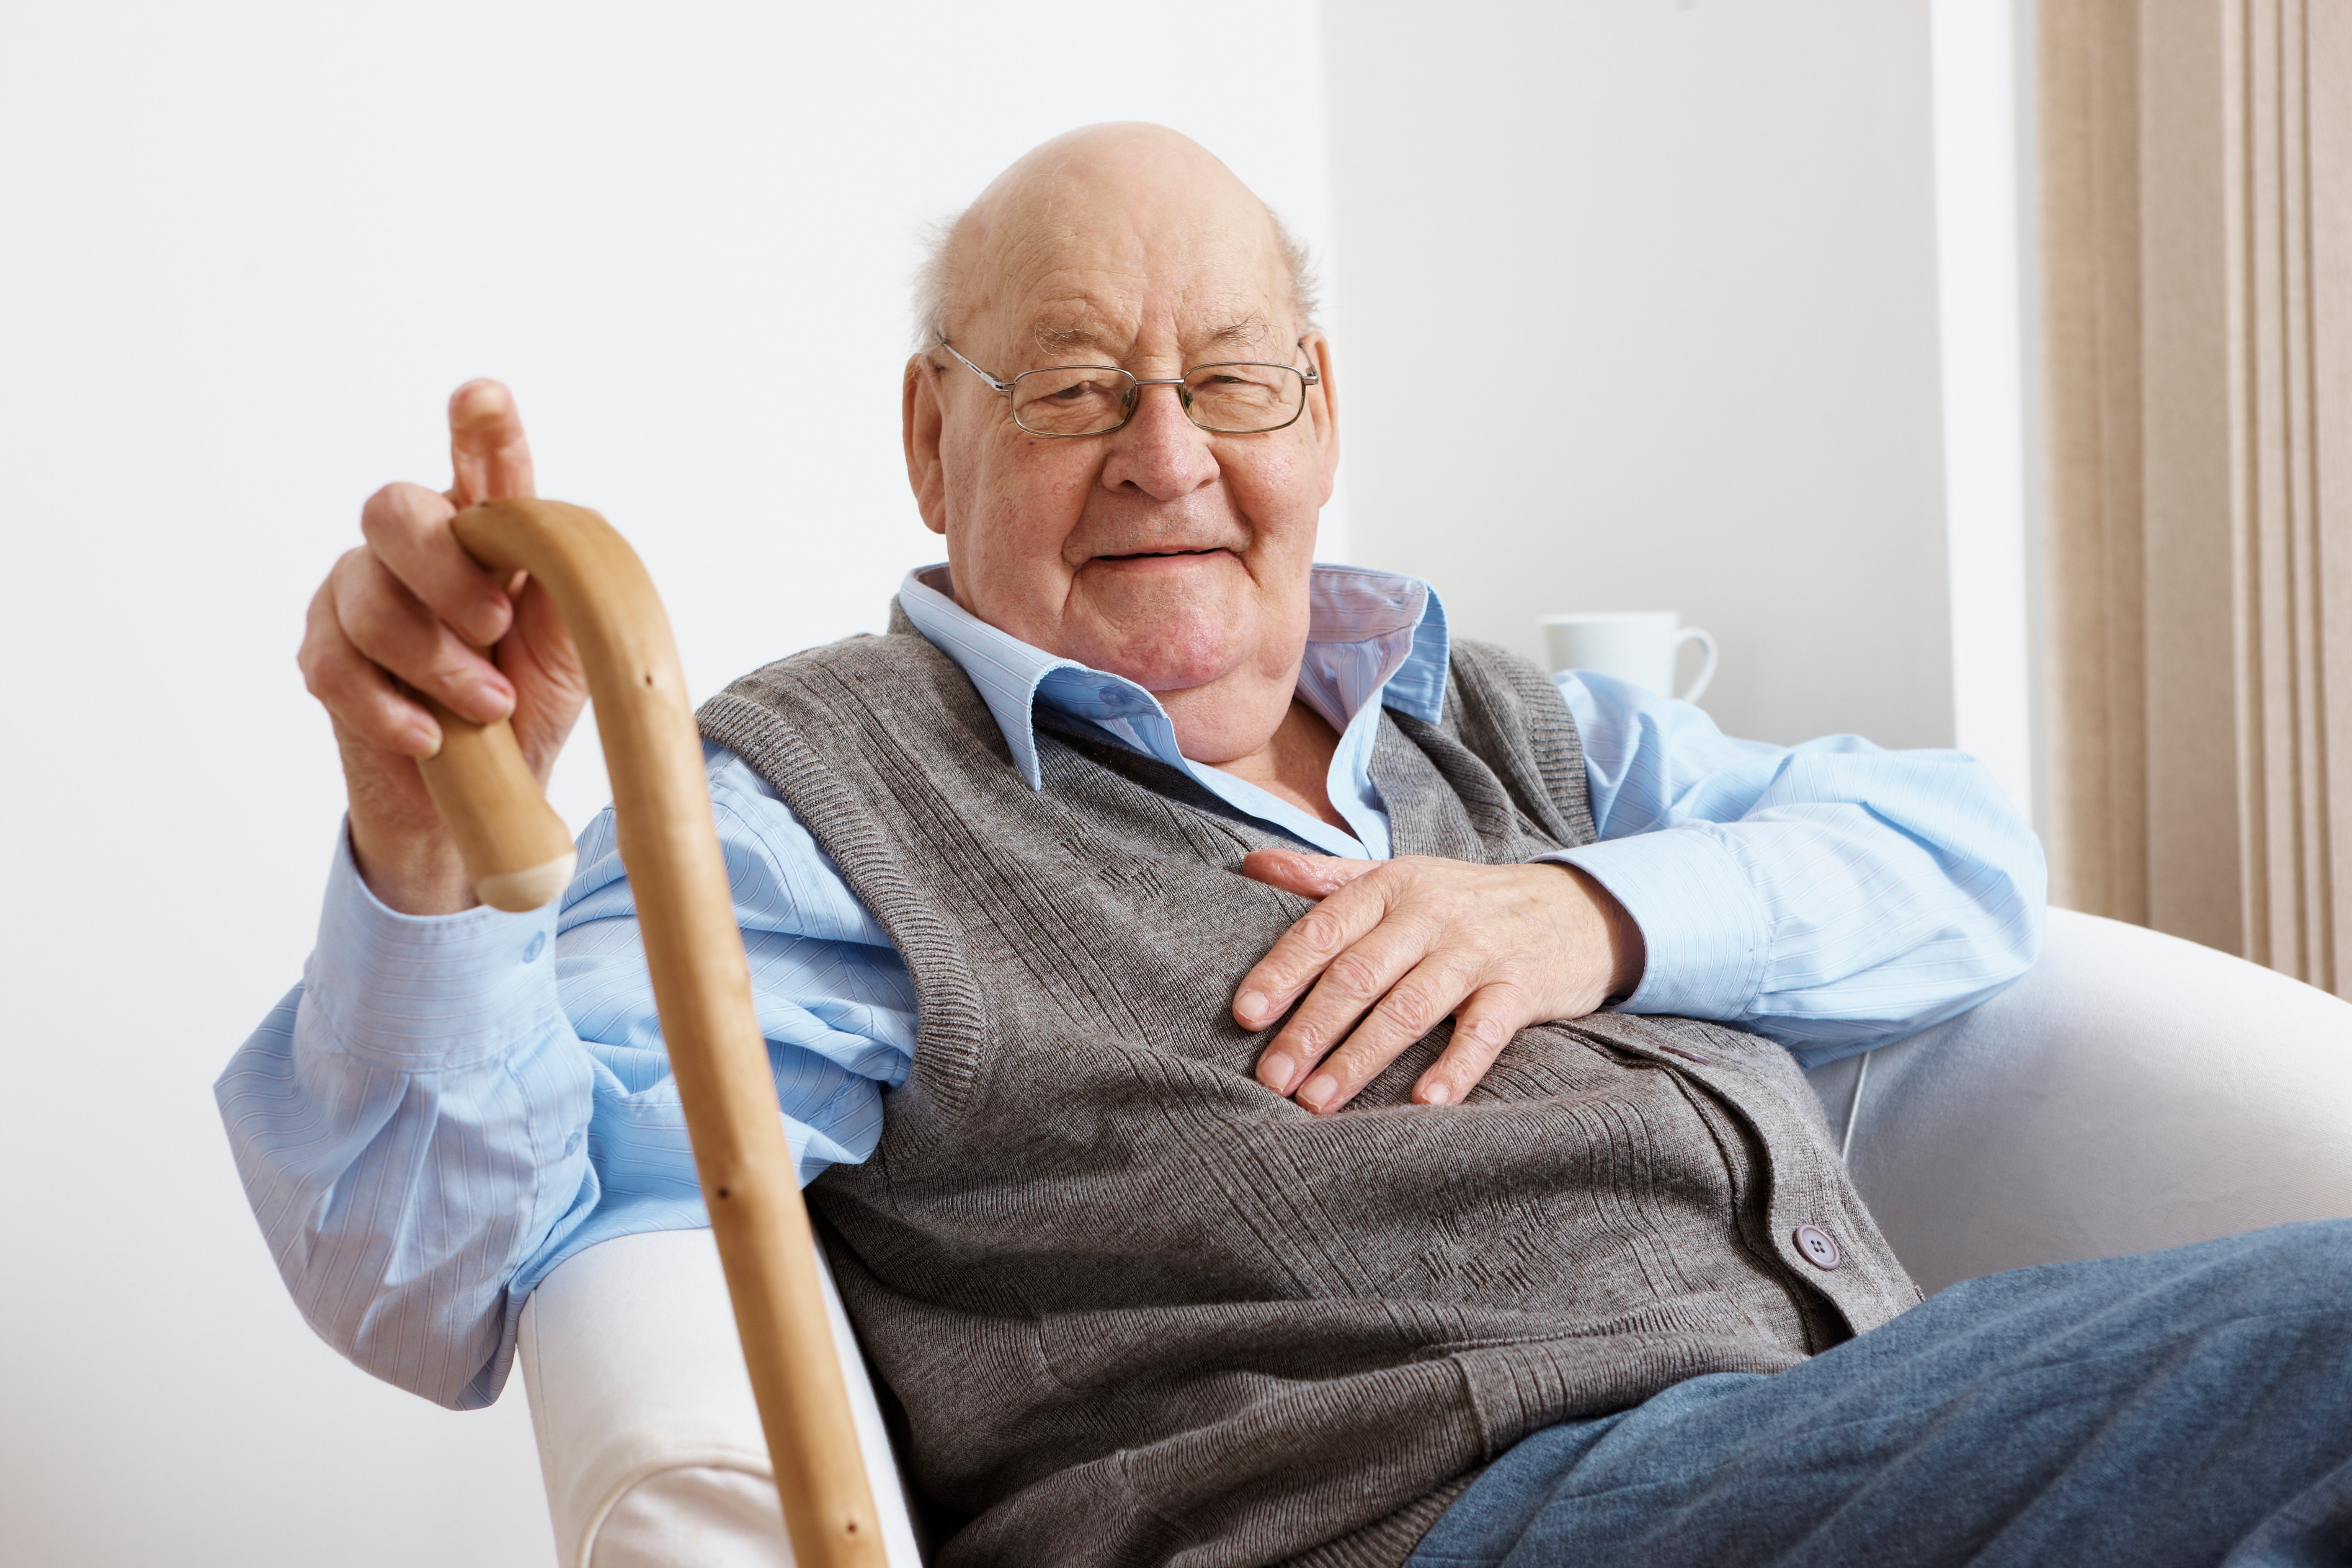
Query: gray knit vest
{"points": [[1141, 1311]]}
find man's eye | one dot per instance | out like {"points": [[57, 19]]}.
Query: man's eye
{"points": [[1075, 391]]}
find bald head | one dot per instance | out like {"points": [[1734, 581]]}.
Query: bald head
{"points": [[1121, 194]]}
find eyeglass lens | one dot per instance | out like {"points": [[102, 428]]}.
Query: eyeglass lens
{"points": [[1092, 400]]}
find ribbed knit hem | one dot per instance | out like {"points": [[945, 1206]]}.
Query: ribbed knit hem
{"points": [[1387, 1543]]}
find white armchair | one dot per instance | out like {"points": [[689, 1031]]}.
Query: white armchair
{"points": [[2134, 1092]]}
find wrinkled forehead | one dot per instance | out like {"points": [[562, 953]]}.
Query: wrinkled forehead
{"points": [[1118, 290]]}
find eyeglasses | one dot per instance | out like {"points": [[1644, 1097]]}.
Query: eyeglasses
{"points": [[1240, 398]]}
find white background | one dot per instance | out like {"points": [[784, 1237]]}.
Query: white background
{"points": [[246, 250]]}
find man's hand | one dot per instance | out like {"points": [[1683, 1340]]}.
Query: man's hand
{"points": [[409, 612], [1413, 940]]}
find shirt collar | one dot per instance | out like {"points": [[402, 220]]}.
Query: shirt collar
{"points": [[1371, 637]]}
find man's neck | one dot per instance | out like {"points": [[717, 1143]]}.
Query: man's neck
{"points": [[1294, 763]]}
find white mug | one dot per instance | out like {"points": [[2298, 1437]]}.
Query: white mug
{"points": [[1638, 645]]}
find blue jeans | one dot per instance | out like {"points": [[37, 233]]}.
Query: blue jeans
{"points": [[2188, 1406]]}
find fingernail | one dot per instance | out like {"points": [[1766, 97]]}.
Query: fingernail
{"points": [[1251, 1007], [1319, 1088], [423, 741], [1434, 1092], [485, 624], [1275, 1072]]}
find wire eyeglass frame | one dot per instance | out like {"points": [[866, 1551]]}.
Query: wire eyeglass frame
{"points": [[1307, 376]]}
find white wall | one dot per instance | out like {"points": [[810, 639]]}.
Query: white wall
{"points": [[1642, 314], [246, 251]]}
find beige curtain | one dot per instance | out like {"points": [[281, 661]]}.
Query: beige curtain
{"points": [[2196, 171]]}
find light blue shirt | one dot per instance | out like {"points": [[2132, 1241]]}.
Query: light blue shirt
{"points": [[445, 1109]]}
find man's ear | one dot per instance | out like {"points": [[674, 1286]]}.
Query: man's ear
{"points": [[1323, 408], [922, 419]]}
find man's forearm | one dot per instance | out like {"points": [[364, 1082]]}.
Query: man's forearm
{"points": [[413, 1123], [1824, 925], [1832, 895]]}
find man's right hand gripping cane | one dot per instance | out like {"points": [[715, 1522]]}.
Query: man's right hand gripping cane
{"points": [[410, 611]]}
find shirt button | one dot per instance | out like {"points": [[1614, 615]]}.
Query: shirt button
{"points": [[534, 947], [1819, 1248]]}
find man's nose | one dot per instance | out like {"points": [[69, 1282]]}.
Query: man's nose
{"points": [[1159, 450]]}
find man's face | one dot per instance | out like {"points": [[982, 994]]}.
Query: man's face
{"points": [[1162, 552]]}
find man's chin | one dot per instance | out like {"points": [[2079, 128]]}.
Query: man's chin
{"points": [[1168, 668], [1172, 651]]}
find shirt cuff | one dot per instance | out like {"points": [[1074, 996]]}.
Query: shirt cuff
{"points": [[1704, 929], [423, 993]]}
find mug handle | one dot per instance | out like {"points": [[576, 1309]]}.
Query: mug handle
{"points": [[1707, 666]]}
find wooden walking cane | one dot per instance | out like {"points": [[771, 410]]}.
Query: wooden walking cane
{"points": [[520, 856]]}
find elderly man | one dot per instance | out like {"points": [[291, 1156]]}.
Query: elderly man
{"points": [[1283, 1087]]}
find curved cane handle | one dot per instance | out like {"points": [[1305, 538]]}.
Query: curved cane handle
{"points": [[702, 985]]}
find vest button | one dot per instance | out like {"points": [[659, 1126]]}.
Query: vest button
{"points": [[1820, 1250]]}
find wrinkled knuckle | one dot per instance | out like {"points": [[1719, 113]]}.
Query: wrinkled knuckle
{"points": [[312, 661], [1318, 930], [400, 511], [1412, 1006], [1500, 1010], [352, 568], [330, 681], [1480, 1037], [1354, 973], [383, 512], [443, 672]]}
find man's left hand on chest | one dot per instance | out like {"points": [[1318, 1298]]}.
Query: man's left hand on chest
{"points": [[1396, 946]]}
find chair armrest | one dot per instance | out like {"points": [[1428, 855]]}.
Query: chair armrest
{"points": [[2133, 1091], [649, 1440]]}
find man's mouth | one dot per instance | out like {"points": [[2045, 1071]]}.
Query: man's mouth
{"points": [[1155, 555]]}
